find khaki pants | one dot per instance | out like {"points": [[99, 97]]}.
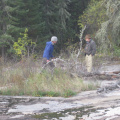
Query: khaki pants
{"points": [[89, 61]]}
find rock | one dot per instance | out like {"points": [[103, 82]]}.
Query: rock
{"points": [[106, 89]]}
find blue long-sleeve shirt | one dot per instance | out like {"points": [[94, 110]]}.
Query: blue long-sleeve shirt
{"points": [[48, 50]]}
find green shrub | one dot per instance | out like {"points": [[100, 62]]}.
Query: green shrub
{"points": [[94, 15], [69, 93], [116, 51]]}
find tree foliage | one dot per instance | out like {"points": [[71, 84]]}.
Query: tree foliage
{"points": [[46, 18], [24, 14], [5, 38], [24, 44], [93, 16]]}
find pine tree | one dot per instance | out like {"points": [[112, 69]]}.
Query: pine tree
{"points": [[5, 38], [17, 14], [63, 17], [25, 14], [76, 8], [48, 15], [33, 19], [63, 12]]}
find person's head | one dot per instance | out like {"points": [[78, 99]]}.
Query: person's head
{"points": [[54, 39], [87, 37]]}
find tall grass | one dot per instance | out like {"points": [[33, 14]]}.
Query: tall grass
{"points": [[25, 79]]}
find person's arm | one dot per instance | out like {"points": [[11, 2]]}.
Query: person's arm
{"points": [[48, 53], [51, 51], [93, 49]]}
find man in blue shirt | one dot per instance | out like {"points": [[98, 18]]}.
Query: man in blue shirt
{"points": [[47, 55]]}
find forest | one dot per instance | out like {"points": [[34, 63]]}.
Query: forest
{"points": [[42, 19], [25, 26]]}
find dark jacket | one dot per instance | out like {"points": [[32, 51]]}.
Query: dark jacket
{"points": [[48, 50], [90, 48]]}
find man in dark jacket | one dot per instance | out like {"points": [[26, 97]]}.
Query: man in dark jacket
{"points": [[47, 55], [90, 50]]}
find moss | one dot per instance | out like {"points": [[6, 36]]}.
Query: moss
{"points": [[109, 33]]}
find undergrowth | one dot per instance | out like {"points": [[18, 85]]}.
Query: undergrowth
{"points": [[27, 80]]}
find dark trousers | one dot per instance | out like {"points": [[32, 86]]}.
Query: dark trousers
{"points": [[51, 64], [44, 61]]}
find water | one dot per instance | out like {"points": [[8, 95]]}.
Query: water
{"points": [[85, 106], [70, 114]]}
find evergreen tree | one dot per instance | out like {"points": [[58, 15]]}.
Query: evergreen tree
{"points": [[17, 14], [63, 13], [5, 38], [33, 19], [48, 15], [76, 8], [54, 14], [63, 17], [43, 18], [25, 14]]}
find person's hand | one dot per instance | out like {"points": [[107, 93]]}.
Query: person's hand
{"points": [[48, 61]]}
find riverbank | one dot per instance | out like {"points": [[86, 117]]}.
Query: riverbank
{"points": [[85, 106]]}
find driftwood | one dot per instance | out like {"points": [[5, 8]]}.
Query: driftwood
{"points": [[69, 66], [109, 88], [103, 76], [53, 64], [80, 70], [81, 39]]}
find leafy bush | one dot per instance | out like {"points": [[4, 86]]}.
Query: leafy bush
{"points": [[116, 51], [23, 45], [69, 93]]}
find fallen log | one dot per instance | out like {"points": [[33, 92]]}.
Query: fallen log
{"points": [[104, 76], [80, 71], [109, 88]]}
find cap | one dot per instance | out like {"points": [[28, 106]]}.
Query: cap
{"points": [[54, 38]]}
